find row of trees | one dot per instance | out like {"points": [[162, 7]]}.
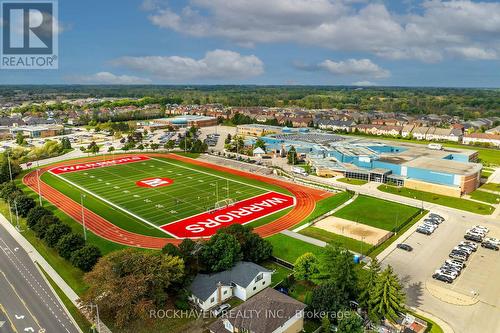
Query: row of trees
{"points": [[338, 281]]}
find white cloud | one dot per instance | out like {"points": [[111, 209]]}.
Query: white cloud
{"points": [[360, 67], [108, 78], [433, 31], [215, 65]]}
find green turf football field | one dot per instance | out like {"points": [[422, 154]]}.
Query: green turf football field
{"points": [[194, 189]]}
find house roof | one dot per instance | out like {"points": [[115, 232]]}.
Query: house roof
{"points": [[261, 306], [258, 150], [242, 274]]}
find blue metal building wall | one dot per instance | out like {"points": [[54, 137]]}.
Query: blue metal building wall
{"points": [[395, 168], [430, 176]]}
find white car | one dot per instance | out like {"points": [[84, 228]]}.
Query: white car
{"points": [[492, 240], [430, 227], [475, 232], [468, 250], [449, 274], [468, 243], [480, 227], [221, 309], [456, 263]]}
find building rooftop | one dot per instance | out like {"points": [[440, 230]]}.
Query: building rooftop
{"points": [[443, 165]]}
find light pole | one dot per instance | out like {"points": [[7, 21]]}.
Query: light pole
{"points": [[8, 162], [83, 217], [17, 216], [97, 320], [39, 188]]}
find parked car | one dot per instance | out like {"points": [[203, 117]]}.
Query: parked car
{"points": [[436, 216], [467, 250], [405, 247], [475, 232], [424, 231], [471, 244], [442, 277], [447, 272], [474, 238], [457, 256], [220, 309], [491, 246], [482, 228], [492, 240]]}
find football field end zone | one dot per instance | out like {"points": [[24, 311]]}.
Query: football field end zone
{"points": [[242, 212], [57, 170]]}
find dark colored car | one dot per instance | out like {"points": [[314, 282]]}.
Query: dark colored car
{"points": [[424, 231], [443, 278], [462, 253], [405, 247], [473, 238], [491, 246]]}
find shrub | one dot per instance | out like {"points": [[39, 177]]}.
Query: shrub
{"points": [[55, 232], [86, 257], [68, 244], [41, 227], [35, 214]]}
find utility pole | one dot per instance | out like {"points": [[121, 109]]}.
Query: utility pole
{"points": [[83, 217]]}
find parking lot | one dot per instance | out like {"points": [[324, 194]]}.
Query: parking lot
{"points": [[472, 302]]}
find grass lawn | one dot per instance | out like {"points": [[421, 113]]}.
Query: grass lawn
{"points": [[301, 291], [376, 251], [491, 187], [432, 327], [485, 197], [352, 181], [375, 212], [324, 206], [279, 274], [325, 236], [486, 174], [289, 248], [80, 319], [458, 203]]}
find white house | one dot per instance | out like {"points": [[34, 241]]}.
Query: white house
{"points": [[243, 281], [271, 312], [472, 138], [447, 134]]}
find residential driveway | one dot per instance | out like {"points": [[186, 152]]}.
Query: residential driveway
{"points": [[472, 303]]}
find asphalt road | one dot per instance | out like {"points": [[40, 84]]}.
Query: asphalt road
{"points": [[27, 303]]}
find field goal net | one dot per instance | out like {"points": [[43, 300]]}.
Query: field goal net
{"points": [[224, 203]]}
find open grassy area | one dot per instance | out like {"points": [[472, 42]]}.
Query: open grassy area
{"points": [[352, 181], [324, 206], [80, 319], [486, 174], [289, 248], [325, 236], [491, 187], [458, 203], [485, 197], [280, 272], [375, 212]]}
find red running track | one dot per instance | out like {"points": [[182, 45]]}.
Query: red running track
{"points": [[305, 204]]}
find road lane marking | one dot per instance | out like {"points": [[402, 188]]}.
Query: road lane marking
{"points": [[2, 309]]}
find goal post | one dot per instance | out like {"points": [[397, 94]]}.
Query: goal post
{"points": [[224, 203]]}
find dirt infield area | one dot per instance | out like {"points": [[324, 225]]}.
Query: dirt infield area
{"points": [[354, 230]]}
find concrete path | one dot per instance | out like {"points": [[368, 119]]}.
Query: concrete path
{"points": [[304, 238]]}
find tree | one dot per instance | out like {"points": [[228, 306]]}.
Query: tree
{"points": [[337, 266], [221, 252], [367, 283], [327, 297], [325, 325], [9, 190], [155, 146], [306, 267], [169, 145], [35, 214], [111, 149], [253, 247], [291, 156], [351, 322], [228, 139], [65, 143], [172, 250], [69, 243], [41, 227], [20, 139], [5, 170], [260, 144], [140, 146], [388, 298], [55, 232], [86, 257], [23, 203], [126, 284]]}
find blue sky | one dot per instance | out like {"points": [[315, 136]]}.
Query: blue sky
{"points": [[324, 42]]}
